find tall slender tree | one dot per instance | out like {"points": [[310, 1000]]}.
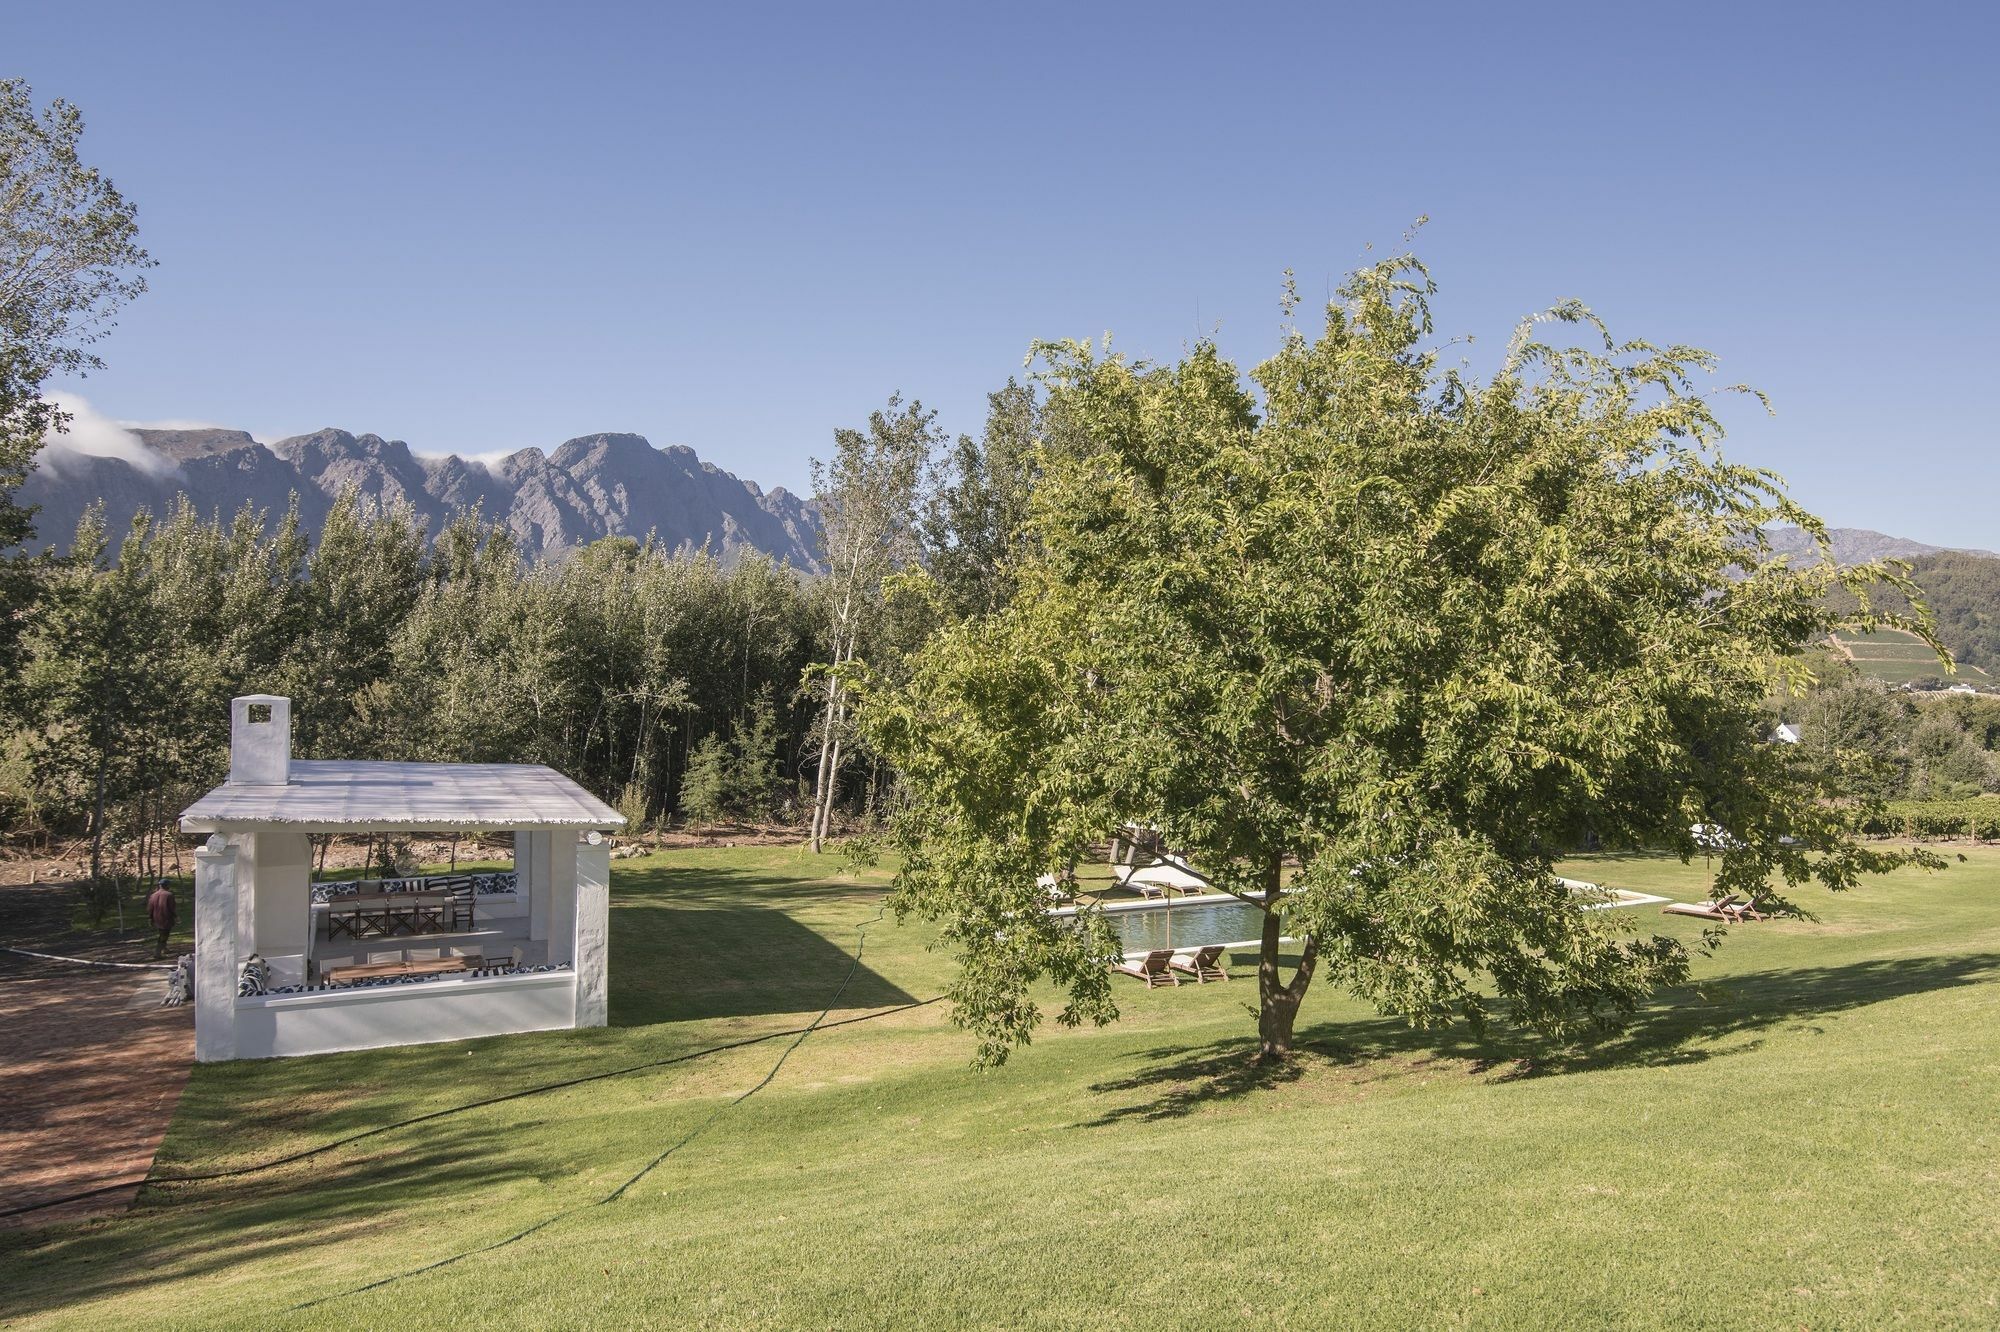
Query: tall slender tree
{"points": [[868, 497], [975, 513], [98, 682], [69, 258]]}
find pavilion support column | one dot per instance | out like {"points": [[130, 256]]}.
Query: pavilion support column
{"points": [[215, 962], [531, 861], [245, 847], [561, 935], [593, 933]]}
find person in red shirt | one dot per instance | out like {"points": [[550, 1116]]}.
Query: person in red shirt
{"points": [[162, 910]]}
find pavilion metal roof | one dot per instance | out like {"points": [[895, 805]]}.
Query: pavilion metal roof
{"points": [[340, 795]]}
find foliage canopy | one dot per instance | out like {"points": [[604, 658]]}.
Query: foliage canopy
{"points": [[1373, 643]]}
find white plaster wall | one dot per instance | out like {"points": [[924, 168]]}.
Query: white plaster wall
{"points": [[281, 888], [593, 934], [365, 1019], [215, 875], [561, 896], [245, 847], [500, 906]]}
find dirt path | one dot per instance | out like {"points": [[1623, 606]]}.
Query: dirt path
{"points": [[92, 1066]]}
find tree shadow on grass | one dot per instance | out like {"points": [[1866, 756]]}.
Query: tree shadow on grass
{"points": [[673, 964], [1682, 1027], [307, 1215]]}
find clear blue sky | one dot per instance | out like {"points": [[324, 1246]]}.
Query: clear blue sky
{"points": [[738, 227]]}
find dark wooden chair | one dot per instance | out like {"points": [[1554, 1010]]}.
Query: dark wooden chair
{"points": [[1204, 964], [460, 913]]}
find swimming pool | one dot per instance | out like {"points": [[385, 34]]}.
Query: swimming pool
{"points": [[1182, 923], [1190, 922]]}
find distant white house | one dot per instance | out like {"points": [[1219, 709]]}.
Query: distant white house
{"points": [[284, 965], [1786, 734]]}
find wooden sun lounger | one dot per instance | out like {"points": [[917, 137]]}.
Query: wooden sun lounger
{"points": [[1706, 910], [1204, 964], [1155, 969], [1728, 909]]}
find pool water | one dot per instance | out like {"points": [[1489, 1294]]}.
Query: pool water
{"points": [[1186, 926]]}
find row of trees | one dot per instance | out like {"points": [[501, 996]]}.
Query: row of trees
{"points": [[605, 664]]}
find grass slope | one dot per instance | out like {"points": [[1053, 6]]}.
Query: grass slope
{"points": [[1806, 1137]]}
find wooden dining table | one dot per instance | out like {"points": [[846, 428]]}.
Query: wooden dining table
{"points": [[378, 915], [437, 966]]}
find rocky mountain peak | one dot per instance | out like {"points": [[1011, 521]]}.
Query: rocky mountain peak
{"points": [[606, 484]]}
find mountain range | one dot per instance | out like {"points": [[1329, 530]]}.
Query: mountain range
{"points": [[1858, 545], [589, 487]]}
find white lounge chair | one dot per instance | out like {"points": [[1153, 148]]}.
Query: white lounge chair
{"points": [[1155, 968]]}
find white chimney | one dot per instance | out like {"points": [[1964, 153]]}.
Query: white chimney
{"points": [[260, 740]]}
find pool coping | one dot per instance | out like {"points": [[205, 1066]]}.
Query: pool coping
{"points": [[1155, 903]]}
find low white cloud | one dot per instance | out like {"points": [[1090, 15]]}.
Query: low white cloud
{"points": [[488, 459], [89, 433]]}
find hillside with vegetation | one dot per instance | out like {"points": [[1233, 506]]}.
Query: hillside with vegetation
{"points": [[1963, 592]]}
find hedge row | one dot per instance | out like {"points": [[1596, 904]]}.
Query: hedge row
{"points": [[1976, 818]]}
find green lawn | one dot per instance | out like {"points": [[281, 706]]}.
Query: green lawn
{"points": [[1805, 1138]]}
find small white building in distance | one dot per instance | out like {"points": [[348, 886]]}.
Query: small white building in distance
{"points": [[1786, 734], [288, 964]]}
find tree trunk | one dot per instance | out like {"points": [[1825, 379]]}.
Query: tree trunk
{"points": [[97, 842], [826, 748], [1278, 1002], [832, 775], [829, 746]]}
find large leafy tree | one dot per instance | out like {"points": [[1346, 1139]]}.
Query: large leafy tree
{"points": [[69, 258], [1374, 643]]}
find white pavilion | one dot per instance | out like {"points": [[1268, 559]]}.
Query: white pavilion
{"points": [[287, 966]]}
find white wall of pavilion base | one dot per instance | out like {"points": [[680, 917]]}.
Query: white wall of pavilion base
{"points": [[367, 1018]]}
